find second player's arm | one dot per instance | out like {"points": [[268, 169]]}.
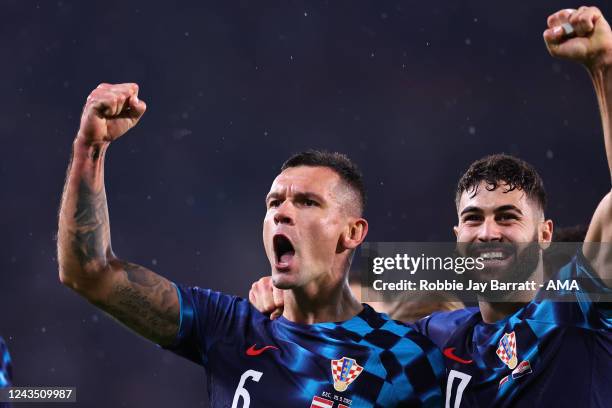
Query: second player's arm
{"points": [[600, 227], [139, 298], [590, 43]]}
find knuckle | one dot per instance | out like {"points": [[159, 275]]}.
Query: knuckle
{"points": [[573, 19]]}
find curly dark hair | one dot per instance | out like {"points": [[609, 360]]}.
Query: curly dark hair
{"points": [[338, 162], [498, 169]]}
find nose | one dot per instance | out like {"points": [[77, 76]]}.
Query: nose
{"points": [[489, 231], [284, 214]]}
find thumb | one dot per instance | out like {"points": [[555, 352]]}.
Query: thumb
{"points": [[278, 295], [279, 302], [137, 106], [278, 312]]}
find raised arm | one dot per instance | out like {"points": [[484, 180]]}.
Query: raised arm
{"points": [[139, 298], [584, 36]]}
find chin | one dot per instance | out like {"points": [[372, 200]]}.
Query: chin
{"points": [[280, 280]]}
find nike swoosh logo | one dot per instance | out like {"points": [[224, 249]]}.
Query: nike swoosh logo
{"points": [[252, 351], [448, 352]]}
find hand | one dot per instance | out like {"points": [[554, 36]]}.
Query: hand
{"points": [[266, 298], [110, 111], [590, 43]]}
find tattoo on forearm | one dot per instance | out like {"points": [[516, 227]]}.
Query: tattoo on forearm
{"points": [[91, 240], [95, 154], [145, 302], [136, 296]]}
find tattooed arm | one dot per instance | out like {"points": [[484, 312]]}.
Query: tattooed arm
{"points": [[136, 296]]}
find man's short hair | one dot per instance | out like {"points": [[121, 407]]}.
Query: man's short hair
{"points": [[340, 163], [498, 169]]}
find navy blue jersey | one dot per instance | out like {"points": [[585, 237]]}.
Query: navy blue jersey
{"points": [[5, 365], [556, 354], [250, 360]]}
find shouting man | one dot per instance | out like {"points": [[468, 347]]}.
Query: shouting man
{"points": [[313, 224]]}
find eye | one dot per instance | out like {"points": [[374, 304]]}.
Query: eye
{"points": [[472, 218], [273, 203], [506, 217], [310, 203]]}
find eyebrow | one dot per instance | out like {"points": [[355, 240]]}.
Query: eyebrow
{"points": [[299, 195], [271, 195], [470, 209], [503, 208], [508, 207]]}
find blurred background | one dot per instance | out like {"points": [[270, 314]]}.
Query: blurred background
{"points": [[412, 91]]}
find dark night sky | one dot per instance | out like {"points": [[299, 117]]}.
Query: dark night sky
{"points": [[412, 91]]}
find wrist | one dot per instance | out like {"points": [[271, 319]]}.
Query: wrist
{"points": [[601, 65], [83, 148]]}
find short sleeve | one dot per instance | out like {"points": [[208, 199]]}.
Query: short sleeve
{"points": [[439, 326], [206, 317], [593, 295]]}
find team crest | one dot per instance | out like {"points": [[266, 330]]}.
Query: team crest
{"points": [[344, 372], [506, 351]]}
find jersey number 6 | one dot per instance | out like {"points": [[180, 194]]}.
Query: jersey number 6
{"points": [[241, 392]]}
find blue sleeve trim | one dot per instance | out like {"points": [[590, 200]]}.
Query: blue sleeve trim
{"points": [[186, 317]]}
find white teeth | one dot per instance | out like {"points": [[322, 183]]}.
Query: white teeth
{"points": [[492, 255]]}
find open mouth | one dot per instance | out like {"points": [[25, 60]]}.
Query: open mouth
{"points": [[284, 251]]}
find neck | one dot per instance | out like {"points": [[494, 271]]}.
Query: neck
{"points": [[332, 303], [495, 311]]}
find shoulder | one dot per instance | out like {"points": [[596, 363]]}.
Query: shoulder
{"points": [[408, 357], [401, 340], [439, 326], [202, 300]]}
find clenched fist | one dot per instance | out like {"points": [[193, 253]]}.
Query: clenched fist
{"points": [[581, 35], [110, 111], [266, 298]]}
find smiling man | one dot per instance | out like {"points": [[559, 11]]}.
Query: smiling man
{"points": [[521, 348], [312, 226], [514, 348]]}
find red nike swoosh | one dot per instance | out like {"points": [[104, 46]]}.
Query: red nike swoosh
{"points": [[448, 352], [251, 351]]}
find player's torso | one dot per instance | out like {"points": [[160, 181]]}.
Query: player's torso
{"points": [[275, 364], [269, 372], [552, 357]]}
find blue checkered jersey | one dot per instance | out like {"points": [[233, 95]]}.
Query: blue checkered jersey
{"points": [[547, 354], [252, 361], [5, 365]]}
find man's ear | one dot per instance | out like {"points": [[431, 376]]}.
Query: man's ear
{"points": [[545, 233], [355, 233], [456, 231]]}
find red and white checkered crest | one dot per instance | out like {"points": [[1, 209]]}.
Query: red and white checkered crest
{"points": [[344, 372], [506, 350]]}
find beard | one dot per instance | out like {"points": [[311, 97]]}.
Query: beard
{"points": [[522, 260]]}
